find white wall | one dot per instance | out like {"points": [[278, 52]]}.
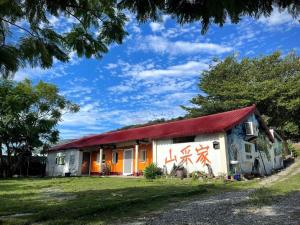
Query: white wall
{"points": [[53, 169], [161, 151]]}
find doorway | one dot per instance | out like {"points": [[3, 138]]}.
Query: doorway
{"points": [[128, 162], [85, 166]]}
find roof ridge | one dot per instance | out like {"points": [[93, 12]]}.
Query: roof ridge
{"points": [[165, 129], [176, 121]]}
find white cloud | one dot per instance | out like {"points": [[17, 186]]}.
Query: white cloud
{"points": [[39, 73], [190, 68], [278, 18], [77, 91], [162, 45], [30, 73], [156, 26], [111, 66], [135, 28], [58, 69], [120, 88]]}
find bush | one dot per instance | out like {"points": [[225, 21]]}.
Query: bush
{"points": [[152, 171], [292, 148], [198, 174]]}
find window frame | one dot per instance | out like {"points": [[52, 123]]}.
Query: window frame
{"points": [[141, 154], [60, 159], [115, 157], [72, 160], [248, 155], [185, 139]]}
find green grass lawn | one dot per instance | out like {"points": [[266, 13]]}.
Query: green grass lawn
{"points": [[95, 200], [266, 195]]}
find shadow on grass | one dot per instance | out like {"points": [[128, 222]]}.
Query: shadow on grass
{"points": [[87, 206], [95, 206]]}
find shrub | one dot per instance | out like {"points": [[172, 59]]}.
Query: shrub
{"points": [[293, 149], [198, 174], [152, 171]]}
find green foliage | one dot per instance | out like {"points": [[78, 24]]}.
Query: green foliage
{"points": [[95, 24], [271, 82], [28, 117], [293, 150], [207, 11], [152, 171], [198, 174]]}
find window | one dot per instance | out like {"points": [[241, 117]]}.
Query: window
{"points": [[184, 139], [143, 156], [248, 151], [115, 157], [248, 156], [248, 148], [72, 160], [60, 159]]}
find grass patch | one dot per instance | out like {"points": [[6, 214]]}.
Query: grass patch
{"points": [[95, 200], [267, 195]]}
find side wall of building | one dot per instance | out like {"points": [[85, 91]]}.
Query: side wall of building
{"points": [[72, 163], [277, 153], [249, 154]]}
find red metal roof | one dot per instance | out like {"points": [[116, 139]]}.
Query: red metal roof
{"points": [[214, 123]]}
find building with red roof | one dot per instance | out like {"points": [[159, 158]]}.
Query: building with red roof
{"points": [[221, 143]]}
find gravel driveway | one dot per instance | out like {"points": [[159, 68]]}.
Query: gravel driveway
{"points": [[232, 208], [228, 208]]}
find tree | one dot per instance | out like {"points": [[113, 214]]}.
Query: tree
{"points": [[28, 118], [271, 82], [208, 11], [27, 36]]}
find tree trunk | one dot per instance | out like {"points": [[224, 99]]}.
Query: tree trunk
{"points": [[18, 161], [9, 169]]}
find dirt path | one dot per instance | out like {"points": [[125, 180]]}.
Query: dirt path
{"points": [[282, 175], [230, 208]]}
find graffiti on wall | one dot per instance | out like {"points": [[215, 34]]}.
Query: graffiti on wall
{"points": [[186, 154], [236, 138]]}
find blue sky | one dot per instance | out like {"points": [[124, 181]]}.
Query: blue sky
{"points": [[155, 70]]}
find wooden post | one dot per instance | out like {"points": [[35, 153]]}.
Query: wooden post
{"points": [[100, 160], [136, 159]]}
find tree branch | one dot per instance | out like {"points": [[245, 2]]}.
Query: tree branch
{"points": [[22, 28], [70, 13]]}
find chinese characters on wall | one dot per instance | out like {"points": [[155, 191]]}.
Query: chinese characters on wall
{"points": [[186, 154]]}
